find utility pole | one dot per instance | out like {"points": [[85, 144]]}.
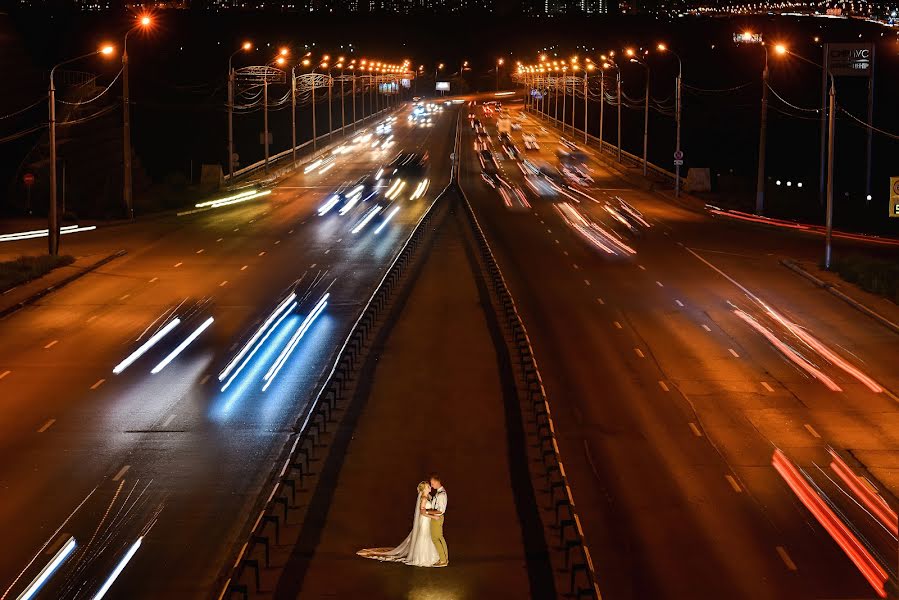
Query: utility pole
{"points": [[828, 218], [646, 123], [53, 224], [293, 113], [602, 105], [314, 139], [126, 134], [573, 97], [870, 132], [265, 117], [619, 115], [822, 189], [564, 103], [231, 122], [763, 134], [330, 122], [585, 107], [354, 100], [342, 107]]}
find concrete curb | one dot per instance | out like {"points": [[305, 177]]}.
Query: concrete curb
{"points": [[48, 290], [794, 266]]}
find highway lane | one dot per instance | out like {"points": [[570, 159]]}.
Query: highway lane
{"points": [[665, 418], [189, 460]]}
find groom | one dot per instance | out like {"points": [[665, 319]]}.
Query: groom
{"points": [[438, 503]]}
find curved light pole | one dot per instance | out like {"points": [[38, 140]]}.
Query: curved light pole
{"points": [[645, 65], [246, 46], [52, 220], [678, 111], [143, 23]]}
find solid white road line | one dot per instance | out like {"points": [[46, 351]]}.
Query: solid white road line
{"points": [[695, 429], [782, 552], [767, 387], [98, 384], [46, 425], [733, 483], [812, 431], [121, 473]]}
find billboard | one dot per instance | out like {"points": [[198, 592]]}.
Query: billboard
{"points": [[850, 59], [389, 87], [443, 86], [406, 83]]}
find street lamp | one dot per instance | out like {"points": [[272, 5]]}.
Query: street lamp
{"points": [[634, 60], [143, 23], [606, 65], [678, 99], [780, 49], [499, 63], [244, 47], [342, 99], [52, 217]]}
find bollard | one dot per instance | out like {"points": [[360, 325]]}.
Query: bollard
{"points": [[252, 562], [273, 519], [281, 500], [239, 588], [288, 482], [261, 539]]}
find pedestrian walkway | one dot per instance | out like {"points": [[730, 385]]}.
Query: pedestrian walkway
{"points": [[441, 399]]}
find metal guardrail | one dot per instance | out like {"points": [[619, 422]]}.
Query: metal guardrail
{"points": [[583, 580], [319, 412], [272, 159], [608, 148]]}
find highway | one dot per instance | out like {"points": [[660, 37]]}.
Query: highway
{"points": [[153, 474], [678, 354]]}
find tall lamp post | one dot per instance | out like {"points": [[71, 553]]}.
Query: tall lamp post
{"points": [[645, 65], [763, 127], [678, 100], [293, 107], [608, 64], [246, 46], [342, 99], [52, 217], [499, 63], [143, 23]]}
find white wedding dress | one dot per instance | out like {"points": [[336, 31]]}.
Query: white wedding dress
{"points": [[417, 549]]}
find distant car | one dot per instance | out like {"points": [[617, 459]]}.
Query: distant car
{"points": [[530, 141], [488, 162]]}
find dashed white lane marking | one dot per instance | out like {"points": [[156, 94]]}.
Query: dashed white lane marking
{"points": [[224, 283], [327, 251], [204, 380], [51, 344], [587, 281], [121, 473], [782, 552], [201, 250], [91, 318], [220, 239], [600, 300], [98, 384], [659, 283], [575, 267], [557, 241], [339, 240], [125, 297], [262, 253], [277, 242], [733, 483], [53, 548], [178, 264], [549, 231], [312, 266], [168, 420], [154, 280], [5, 373], [642, 268], [237, 229], [695, 429], [734, 352], [812, 431], [289, 232], [664, 386], [46, 426], [244, 268], [706, 327], [679, 303], [565, 252], [639, 353], [767, 387]]}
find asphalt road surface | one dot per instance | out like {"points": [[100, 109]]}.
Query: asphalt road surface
{"points": [[672, 346], [167, 459]]}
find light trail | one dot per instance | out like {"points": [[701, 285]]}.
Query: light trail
{"points": [[118, 569], [596, 235], [187, 342], [273, 371], [872, 501], [789, 352], [261, 343], [146, 346], [312, 166], [265, 325], [39, 233], [368, 217], [389, 216], [353, 200], [841, 534], [327, 206], [48, 570]]}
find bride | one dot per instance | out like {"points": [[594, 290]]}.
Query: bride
{"points": [[417, 549]]}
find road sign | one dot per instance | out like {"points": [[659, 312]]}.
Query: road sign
{"points": [[28, 179], [678, 163], [850, 59], [678, 155], [894, 196]]}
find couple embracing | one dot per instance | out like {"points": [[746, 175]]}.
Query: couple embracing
{"points": [[424, 546]]}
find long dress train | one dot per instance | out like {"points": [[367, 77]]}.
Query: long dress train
{"points": [[416, 550]]}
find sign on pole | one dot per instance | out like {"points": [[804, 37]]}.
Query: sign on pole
{"points": [[850, 59], [894, 196], [678, 155]]}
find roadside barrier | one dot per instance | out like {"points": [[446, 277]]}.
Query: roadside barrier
{"points": [[571, 540]]}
